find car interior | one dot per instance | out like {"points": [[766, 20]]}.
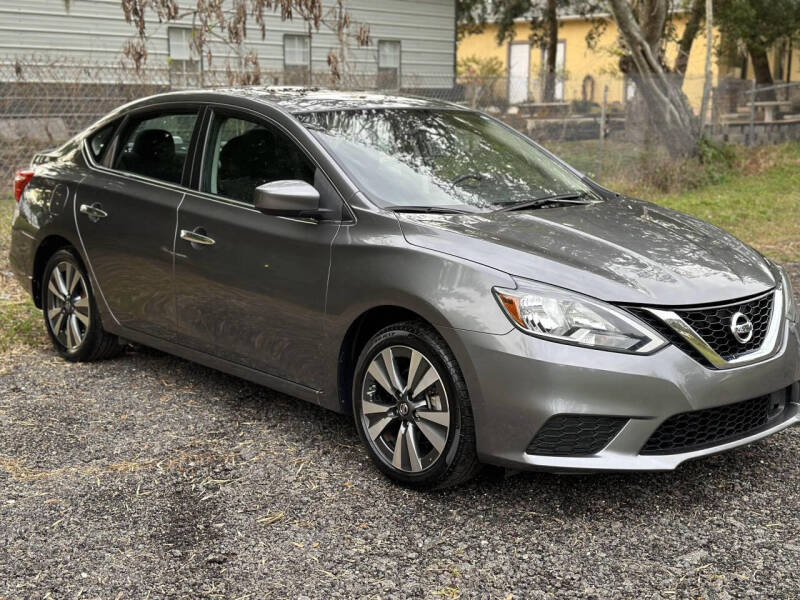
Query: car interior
{"points": [[157, 147], [250, 159]]}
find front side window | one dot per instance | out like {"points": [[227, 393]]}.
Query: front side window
{"points": [[297, 59], [444, 158], [244, 154], [156, 146]]}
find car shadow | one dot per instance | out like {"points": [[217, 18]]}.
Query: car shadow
{"points": [[711, 481]]}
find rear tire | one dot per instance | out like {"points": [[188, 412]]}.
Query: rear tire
{"points": [[70, 311], [412, 409]]}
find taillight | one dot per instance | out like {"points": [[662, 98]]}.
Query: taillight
{"points": [[21, 179]]}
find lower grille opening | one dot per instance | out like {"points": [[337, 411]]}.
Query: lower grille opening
{"points": [[575, 435], [708, 427]]}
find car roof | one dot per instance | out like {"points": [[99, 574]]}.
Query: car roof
{"points": [[310, 99]]}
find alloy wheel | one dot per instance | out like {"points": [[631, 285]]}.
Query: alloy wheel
{"points": [[68, 305], [404, 409]]}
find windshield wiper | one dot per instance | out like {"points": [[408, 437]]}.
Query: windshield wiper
{"points": [[567, 198], [440, 210], [476, 176]]}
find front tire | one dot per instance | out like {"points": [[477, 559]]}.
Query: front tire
{"points": [[70, 312], [412, 409]]}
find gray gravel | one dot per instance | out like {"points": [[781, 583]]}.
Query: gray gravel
{"points": [[149, 476]]}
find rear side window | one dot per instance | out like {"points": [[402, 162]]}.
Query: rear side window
{"points": [[100, 140], [244, 154], [156, 146]]}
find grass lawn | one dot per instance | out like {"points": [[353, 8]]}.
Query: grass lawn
{"points": [[760, 204], [763, 210]]}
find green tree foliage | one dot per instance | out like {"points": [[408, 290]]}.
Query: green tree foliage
{"points": [[756, 25]]}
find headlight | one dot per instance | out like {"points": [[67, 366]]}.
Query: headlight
{"points": [[567, 317], [791, 303]]}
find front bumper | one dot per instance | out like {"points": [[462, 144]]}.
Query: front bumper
{"points": [[517, 382]]}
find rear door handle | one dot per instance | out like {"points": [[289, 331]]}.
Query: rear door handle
{"points": [[196, 237], [93, 211]]}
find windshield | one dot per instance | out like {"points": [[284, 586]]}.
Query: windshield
{"points": [[439, 158]]}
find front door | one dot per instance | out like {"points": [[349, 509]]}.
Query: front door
{"points": [[519, 58], [252, 290], [126, 214]]}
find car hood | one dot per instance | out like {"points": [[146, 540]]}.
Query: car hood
{"points": [[620, 250]]}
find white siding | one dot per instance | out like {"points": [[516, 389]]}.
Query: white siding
{"points": [[94, 31]]}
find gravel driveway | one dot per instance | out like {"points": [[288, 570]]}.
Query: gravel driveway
{"points": [[149, 476]]}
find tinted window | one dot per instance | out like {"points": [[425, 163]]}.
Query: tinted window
{"points": [[243, 155], [157, 146], [100, 140]]}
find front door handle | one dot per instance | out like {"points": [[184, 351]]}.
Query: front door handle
{"points": [[196, 237], [93, 211]]}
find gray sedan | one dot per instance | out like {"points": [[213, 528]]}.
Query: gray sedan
{"points": [[468, 297]]}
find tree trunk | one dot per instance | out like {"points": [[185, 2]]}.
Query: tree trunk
{"points": [[762, 73], [708, 72], [687, 39], [551, 51], [669, 113]]}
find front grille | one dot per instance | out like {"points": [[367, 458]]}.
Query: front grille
{"points": [[699, 429], [575, 435], [713, 325]]}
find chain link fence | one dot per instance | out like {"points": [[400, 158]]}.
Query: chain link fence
{"points": [[598, 123]]}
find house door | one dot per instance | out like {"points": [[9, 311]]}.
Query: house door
{"points": [[519, 59]]}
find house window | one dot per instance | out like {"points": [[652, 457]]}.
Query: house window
{"points": [[183, 67], [388, 64], [297, 59]]}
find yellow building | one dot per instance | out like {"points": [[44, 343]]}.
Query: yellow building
{"points": [[583, 73]]}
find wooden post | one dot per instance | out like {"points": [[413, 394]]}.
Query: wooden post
{"points": [[602, 129], [752, 128]]}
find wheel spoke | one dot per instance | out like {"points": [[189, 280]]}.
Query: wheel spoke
{"points": [[413, 365], [52, 287], [434, 435], [53, 313], [82, 318], [57, 325], [399, 447], [371, 408], [428, 379], [73, 277], [82, 302], [59, 281], [76, 331], [391, 369], [435, 416], [376, 428], [379, 376], [68, 332], [411, 448]]}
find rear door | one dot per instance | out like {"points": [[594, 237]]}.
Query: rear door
{"points": [[126, 210], [254, 293]]}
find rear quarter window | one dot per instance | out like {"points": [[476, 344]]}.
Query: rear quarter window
{"points": [[100, 140]]}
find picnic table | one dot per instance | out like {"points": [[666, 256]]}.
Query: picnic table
{"points": [[769, 107], [544, 108]]}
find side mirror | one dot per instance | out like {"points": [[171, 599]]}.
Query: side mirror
{"points": [[287, 198]]}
